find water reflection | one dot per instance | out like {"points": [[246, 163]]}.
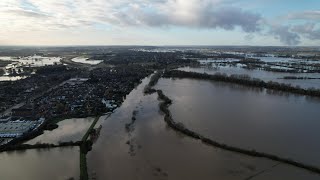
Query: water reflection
{"points": [[53, 164], [268, 121], [86, 60], [68, 130], [263, 75], [152, 150]]}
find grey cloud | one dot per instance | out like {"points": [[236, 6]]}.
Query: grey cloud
{"points": [[199, 14], [208, 17], [308, 30], [229, 18], [205, 14], [306, 15], [285, 36], [292, 34]]}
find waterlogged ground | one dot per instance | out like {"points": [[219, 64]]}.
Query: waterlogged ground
{"points": [[33, 61], [49, 164], [11, 78], [263, 75], [278, 123], [68, 130], [146, 148], [86, 60], [28, 61]]}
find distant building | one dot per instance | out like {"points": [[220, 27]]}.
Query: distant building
{"points": [[5, 119], [76, 81], [12, 129], [23, 112]]}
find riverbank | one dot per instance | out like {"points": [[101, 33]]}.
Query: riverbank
{"points": [[153, 81], [85, 146]]}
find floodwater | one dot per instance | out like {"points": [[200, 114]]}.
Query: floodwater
{"points": [[18, 63], [11, 78], [263, 75], [283, 124], [148, 149], [49, 164], [273, 59], [68, 130], [33, 61], [86, 60]]}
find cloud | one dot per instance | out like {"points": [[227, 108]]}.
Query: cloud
{"points": [[293, 27], [26, 13], [192, 14], [44, 15], [229, 17], [308, 30], [305, 15], [285, 35], [154, 13]]}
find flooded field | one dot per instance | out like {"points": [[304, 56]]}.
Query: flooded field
{"points": [[285, 60], [14, 71], [278, 123], [261, 74], [11, 78], [34, 61], [50, 164], [68, 130], [144, 147], [86, 60]]}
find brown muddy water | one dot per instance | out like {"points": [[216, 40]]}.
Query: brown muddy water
{"points": [[146, 148], [263, 75], [49, 164], [282, 124], [68, 130]]}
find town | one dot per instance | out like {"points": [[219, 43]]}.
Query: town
{"points": [[74, 90]]}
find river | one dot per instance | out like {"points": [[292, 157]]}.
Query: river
{"points": [[283, 124], [146, 148], [261, 74]]}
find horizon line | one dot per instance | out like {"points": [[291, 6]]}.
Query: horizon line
{"points": [[93, 45]]}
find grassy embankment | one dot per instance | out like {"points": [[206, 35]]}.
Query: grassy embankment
{"points": [[84, 148], [21, 147], [148, 89]]}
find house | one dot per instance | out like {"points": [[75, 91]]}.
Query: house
{"points": [[22, 112]]}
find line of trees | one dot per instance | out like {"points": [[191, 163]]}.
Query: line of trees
{"points": [[20, 147], [296, 77], [166, 102], [243, 80], [153, 81]]}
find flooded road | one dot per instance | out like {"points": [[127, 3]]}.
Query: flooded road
{"points": [[144, 147]]}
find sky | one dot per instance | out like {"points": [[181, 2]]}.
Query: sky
{"points": [[160, 22]]}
